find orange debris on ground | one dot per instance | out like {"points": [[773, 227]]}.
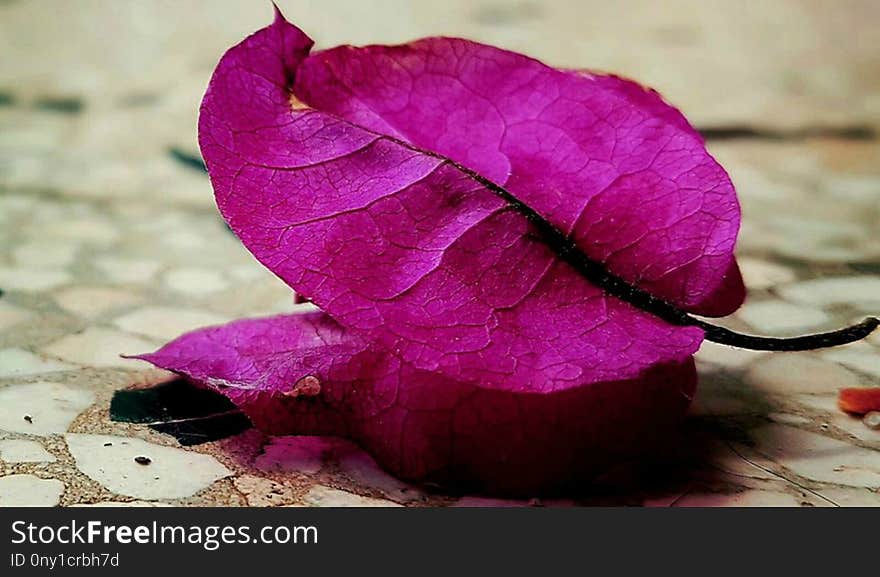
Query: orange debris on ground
{"points": [[858, 400]]}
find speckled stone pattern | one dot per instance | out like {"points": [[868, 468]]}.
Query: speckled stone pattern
{"points": [[110, 243]]}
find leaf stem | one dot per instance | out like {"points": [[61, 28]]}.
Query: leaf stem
{"points": [[834, 338], [613, 285]]}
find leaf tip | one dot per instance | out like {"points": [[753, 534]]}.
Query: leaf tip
{"points": [[149, 357], [279, 17]]}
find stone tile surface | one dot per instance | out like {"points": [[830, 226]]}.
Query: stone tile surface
{"points": [[92, 301], [321, 496], [165, 323], [15, 362], [748, 498], [819, 457], [24, 451], [29, 491], [135, 468], [41, 408], [99, 347]]}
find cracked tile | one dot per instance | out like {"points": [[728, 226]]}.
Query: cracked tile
{"points": [[261, 492], [21, 363], [195, 281], [862, 291], [363, 470], [99, 347], [29, 491], [740, 461], [127, 270], [832, 415], [323, 496], [24, 451], [779, 317], [725, 356], [759, 274], [41, 408], [11, 315], [818, 457], [166, 323], [858, 356], [91, 301], [847, 497], [748, 498], [30, 279], [39, 253], [85, 230], [790, 373], [110, 460]]}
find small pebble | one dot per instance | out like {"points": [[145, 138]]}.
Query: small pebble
{"points": [[872, 420], [141, 460], [29, 418]]}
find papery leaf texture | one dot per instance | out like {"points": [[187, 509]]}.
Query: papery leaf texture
{"points": [[401, 189]]}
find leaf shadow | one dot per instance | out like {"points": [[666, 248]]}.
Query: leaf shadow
{"points": [[192, 415]]}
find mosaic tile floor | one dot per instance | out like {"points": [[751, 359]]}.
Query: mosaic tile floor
{"points": [[109, 243]]}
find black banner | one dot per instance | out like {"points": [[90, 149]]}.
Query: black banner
{"points": [[413, 541]]}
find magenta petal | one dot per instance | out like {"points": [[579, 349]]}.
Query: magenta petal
{"points": [[455, 345], [257, 363], [420, 425], [404, 248], [601, 157]]}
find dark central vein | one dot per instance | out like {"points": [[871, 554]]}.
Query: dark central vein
{"points": [[611, 284], [596, 272]]}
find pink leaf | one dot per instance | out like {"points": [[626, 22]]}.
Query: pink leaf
{"points": [[458, 343], [421, 425]]}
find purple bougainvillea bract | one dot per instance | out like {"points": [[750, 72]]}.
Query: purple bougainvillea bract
{"points": [[453, 343]]}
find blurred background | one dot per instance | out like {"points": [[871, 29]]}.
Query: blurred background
{"points": [[110, 242], [136, 70]]}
